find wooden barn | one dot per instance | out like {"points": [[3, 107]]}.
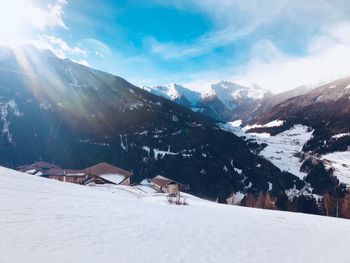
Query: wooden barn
{"points": [[104, 173], [37, 168], [166, 185], [52, 171], [66, 175]]}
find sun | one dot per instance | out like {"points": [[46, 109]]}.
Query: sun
{"points": [[12, 20]]}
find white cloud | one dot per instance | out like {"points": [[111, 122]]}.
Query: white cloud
{"points": [[203, 44], [234, 19], [19, 19], [26, 14], [60, 44], [328, 58], [48, 17], [57, 45]]}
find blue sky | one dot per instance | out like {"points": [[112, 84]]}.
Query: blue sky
{"points": [[278, 44]]}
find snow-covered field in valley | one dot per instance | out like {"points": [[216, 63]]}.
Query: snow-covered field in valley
{"points": [[340, 161], [44, 220], [281, 148]]}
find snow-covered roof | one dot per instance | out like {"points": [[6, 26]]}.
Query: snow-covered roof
{"points": [[162, 181], [114, 178], [106, 169]]}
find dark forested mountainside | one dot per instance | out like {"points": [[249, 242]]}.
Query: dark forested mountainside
{"points": [[71, 115]]}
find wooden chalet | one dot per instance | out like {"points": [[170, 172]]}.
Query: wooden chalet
{"points": [[66, 175], [104, 173], [37, 168], [166, 185], [52, 171]]}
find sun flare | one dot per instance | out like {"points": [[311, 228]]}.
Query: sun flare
{"points": [[19, 17], [12, 20]]}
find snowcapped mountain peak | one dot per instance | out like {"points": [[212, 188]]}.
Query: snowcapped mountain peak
{"points": [[258, 92], [174, 86], [226, 91], [208, 94], [252, 91], [168, 91], [175, 92], [230, 92], [222, 100]]}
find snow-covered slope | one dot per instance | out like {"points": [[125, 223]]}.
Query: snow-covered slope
{"points": [[223, 101], [227, 92], [326, 109], [340, 162], [231, 93], [282, 149], [48, 221], [176, 93]]}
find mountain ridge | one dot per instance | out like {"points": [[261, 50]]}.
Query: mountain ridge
{"points": [[224, 101], [75, 116], [326, 109]]}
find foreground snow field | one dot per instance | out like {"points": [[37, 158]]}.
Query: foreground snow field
{"points": [[43, 220]]}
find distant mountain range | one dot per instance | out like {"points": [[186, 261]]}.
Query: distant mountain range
{"points": [[305, 131], [225, 101], [64, 113]]}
